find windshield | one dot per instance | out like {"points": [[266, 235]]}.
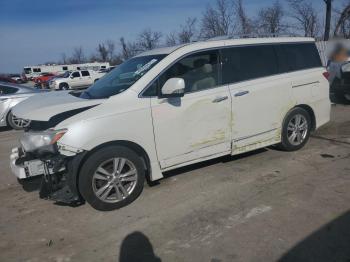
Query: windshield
{"points": [[122, 77], [27, 70], [65, 75]]}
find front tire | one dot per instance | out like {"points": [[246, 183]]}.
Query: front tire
{"points": [[63, 86], [296, 130], [17, 123], [111, 178]]}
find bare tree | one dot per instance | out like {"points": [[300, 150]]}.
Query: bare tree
{"points": [[77, 55], [217, 19], [342, 27], [246, 26], [110, 45], [188, 31], [305, 16], [128, 49], [327, 28], [102, 52], [149, 39], [171, 39], [270, 19]]}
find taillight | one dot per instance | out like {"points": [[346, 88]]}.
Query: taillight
{"points": [[326, 75]]}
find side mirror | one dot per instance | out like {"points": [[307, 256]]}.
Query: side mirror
{"points": [[174, 87], [71, 77]]}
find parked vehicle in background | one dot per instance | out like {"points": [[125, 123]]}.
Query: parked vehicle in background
{"points": [[5, 78], [17, 77], [34, 71], [43, 77], [339, 78], [11, 95], [75, 80], [172, 107], [46, 84], [107, 70]]}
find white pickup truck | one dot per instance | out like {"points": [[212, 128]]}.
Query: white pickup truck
{"points": [[75, 79]]}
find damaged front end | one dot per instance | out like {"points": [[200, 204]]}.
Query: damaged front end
{"points": [[40, 154]]}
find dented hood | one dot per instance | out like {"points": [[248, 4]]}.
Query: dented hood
{"points": [[42, 107]]}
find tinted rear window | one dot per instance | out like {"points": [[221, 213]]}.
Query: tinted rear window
{"points": [[250, 62]]}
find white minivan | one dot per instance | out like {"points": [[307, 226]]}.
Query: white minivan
{"points": [[169, 108]]}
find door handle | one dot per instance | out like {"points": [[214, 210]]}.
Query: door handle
{"points": [[220, 99], [242, 93]]}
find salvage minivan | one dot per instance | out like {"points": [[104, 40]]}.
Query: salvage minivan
{"points": [[168, 108]]}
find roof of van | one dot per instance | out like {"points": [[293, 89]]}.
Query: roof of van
{"points": [[229, 42]]}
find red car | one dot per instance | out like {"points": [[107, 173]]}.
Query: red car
{"points": [[43, 77]]}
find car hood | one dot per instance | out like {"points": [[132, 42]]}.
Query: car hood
{"points": [[42, 107]]}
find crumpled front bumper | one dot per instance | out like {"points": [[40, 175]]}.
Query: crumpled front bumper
{"points": [[26, 169], [59, 182]]}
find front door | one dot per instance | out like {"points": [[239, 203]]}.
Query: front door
{"points": [[198, 125]]}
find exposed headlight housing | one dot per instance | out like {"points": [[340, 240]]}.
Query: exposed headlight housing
{"points": [[41, 141]]}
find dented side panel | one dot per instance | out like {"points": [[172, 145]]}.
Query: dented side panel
{"points": [[192, 127]]}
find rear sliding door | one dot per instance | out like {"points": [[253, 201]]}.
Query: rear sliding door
{"points": [[260, 95]]}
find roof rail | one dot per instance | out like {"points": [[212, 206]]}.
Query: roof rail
{"points": [[239, 36]]}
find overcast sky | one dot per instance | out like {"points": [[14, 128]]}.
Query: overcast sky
{"points": [[38, 31]]}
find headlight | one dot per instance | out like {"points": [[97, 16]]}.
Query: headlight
{"points": [[32, 141]]}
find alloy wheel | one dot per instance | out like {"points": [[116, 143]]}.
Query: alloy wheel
{"points": [[19, 122], [297, 130], [114, 180]]}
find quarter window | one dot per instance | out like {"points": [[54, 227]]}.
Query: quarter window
{"points": [[85, 73], [298, 56], [76, 74]]}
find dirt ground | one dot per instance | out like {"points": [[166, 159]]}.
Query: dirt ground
{"points": [[263, 206]]}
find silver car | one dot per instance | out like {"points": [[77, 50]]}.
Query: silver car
{"points": [[11, 95]]}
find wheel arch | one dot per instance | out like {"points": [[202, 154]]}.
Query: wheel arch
{"points": [[311, 112], [62, 84], [131, 145]]}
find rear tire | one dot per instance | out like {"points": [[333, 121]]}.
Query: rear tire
{"points": [[111, 178], [295, 130]]}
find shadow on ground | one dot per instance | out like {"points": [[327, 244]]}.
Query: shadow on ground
{"points": [[137, 247], [330, 243]]}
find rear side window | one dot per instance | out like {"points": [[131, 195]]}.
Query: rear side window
{"points": [[246, 63], [64, 68], [85, 73], [76, 74], [6, 90], [294, 57]]}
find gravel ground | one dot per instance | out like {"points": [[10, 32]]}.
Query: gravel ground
{"points": [[263, 206]]}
